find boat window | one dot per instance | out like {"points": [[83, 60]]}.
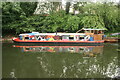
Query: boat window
{"points": [[81, 49], [92, 31], [71, 48], [60, 37], [71, 37], [39, 38], [81, 38], [43, 38], [65, 37], [100, 32], [87, 31], [27, 48], [96, 32], [26, 37]]}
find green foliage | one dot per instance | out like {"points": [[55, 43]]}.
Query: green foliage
{"points": [[10, 12], [17, 17], [72, 24], [30, 24], [109, 13], [60, 21], [93, 21], [111, 17], [14, 18], [28, 7], [105, 16]]}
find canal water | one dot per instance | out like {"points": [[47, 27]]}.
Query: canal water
{"points": [[21, 61]]}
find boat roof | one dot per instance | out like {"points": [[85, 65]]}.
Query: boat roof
{"points": [[91, 29], [52, 34]]}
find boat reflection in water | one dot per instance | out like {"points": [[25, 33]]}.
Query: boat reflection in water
{"points": [[85, 50]]}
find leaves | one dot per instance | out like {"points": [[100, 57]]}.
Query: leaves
{"points": [[18, 17], [28, 7], [93, 22]]}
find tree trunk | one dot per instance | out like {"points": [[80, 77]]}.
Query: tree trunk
{"points": [[67, 7]]}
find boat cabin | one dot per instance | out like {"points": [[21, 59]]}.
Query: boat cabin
{"points": [[88, 35], [53, 36], [96, 34]]}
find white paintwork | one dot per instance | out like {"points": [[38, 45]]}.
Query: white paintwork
{"points": [[59, 34]]}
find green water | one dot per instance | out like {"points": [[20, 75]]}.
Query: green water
{"points": [[60, 64]]}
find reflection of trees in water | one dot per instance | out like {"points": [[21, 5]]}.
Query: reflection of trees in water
{"points": [[12, 74], [79, 67], [45, 66]]}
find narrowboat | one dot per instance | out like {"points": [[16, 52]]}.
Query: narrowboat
{"points": [[89, 36]]}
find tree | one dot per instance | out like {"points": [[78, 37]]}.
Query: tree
{"points": [[14, 18], [53, 22], [93, 21], [17, 17], [60, 22], [110, 16], [28, 7], [11, 12], [67, 7], [99, 13]]}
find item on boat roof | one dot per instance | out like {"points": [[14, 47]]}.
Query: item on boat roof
{"points": [[114, 34]]}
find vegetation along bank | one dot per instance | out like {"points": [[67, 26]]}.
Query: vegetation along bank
{"points": [[21, 17]]}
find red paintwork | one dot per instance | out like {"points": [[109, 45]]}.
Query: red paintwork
{"points": [[55, 46], [18, 40]]}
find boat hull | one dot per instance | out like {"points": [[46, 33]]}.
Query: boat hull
{"points": [[111, 40], [58, 42]]}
